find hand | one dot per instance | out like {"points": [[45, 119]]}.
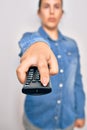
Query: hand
{"points": [[79, 123], [39, 54]]}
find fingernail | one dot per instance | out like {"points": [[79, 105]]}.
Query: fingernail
{"points": [[45, 81]]}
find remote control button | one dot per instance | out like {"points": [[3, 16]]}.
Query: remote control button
{"points": [[33, 81]]}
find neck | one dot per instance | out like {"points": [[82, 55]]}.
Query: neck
{"points": [[52, 32]]}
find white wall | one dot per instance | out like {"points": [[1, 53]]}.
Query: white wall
{"points": [[17, 17]]}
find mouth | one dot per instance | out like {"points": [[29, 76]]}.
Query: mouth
{"points": [[51, 19]]}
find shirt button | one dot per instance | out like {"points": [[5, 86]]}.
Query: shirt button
{"points": [[56, 117], [59, 56], [58, 101], [69, 53], [56, 44], [61, 70], [60, 85]]}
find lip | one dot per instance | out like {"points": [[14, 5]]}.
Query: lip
{"points": [[51, 19]]}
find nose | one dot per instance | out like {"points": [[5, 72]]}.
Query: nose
{"points": [[51, 10]]}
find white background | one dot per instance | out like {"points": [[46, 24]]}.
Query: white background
{"points": [[17, 17]]}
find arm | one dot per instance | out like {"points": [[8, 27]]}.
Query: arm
{"points": [[29, 39], [79, 96], [35, 51]]}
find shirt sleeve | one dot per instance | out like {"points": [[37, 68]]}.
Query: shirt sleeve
{"points": [[28, 39], [79, 92]]}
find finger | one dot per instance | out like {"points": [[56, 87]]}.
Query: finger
{"points": [[21, 71], [44, 72], [53, 65], [21, 76]]}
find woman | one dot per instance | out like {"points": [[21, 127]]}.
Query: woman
{"points": [[63, 108]]}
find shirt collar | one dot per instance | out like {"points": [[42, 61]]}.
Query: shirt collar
{"points": [[45, 35]]}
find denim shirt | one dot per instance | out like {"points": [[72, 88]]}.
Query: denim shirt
{"points": [[65, 104]]}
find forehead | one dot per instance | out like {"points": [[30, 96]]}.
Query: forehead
{"points": [[51, 1]]}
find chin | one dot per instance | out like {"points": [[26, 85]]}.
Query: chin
{"points": [[51, 27]]}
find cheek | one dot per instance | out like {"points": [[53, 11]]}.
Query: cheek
{"points": [[44, 14], [44, 17], [58, 16]]}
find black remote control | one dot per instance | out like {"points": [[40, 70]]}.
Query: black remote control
{"points": [[33, 86]]}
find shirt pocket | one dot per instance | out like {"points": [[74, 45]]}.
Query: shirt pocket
{"points": [[71, 56]]}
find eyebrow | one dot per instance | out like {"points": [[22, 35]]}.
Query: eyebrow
{"points": [[49, 3]]}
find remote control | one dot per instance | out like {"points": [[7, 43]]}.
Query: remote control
{"points": [[33, 85]]}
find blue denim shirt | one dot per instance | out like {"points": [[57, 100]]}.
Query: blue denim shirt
{"points": [[65, 103]]}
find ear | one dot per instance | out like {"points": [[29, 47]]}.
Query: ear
{"points": [[38, 12], [62, 12]]}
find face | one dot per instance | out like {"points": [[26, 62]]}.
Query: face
{"points": [[50, 13]]}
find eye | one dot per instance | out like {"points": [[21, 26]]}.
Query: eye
{"points": [[57, 6], [46, 6]]}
